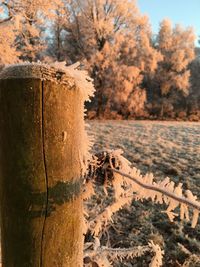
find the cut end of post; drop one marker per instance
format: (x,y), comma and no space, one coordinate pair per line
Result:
(57,72)
(37,71)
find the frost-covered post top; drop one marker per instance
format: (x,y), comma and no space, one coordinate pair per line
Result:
(37,71)
(57,72)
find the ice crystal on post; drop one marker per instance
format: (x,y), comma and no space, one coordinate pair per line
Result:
(85,85)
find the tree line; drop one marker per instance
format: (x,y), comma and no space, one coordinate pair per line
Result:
(136,73)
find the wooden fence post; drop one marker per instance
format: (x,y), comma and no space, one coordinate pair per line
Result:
(40,170)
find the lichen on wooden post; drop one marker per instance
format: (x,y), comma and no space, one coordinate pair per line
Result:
(42,157)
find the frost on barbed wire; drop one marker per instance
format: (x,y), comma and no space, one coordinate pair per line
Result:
(72,78)
(105,257)
(111,170)
(130,185)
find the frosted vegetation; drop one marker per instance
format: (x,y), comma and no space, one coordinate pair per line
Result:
(122,238)
(136,73)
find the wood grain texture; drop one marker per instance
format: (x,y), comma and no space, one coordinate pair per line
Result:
(64,219)
(40,202)
(22,184)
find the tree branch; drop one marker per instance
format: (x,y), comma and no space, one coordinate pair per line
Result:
(5,20)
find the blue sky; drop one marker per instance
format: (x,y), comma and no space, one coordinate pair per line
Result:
(185,12)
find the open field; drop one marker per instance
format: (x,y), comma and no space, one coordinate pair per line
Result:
(166,149)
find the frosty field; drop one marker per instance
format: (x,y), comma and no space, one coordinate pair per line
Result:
(166,149)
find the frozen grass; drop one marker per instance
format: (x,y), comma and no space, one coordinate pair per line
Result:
(166,149)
